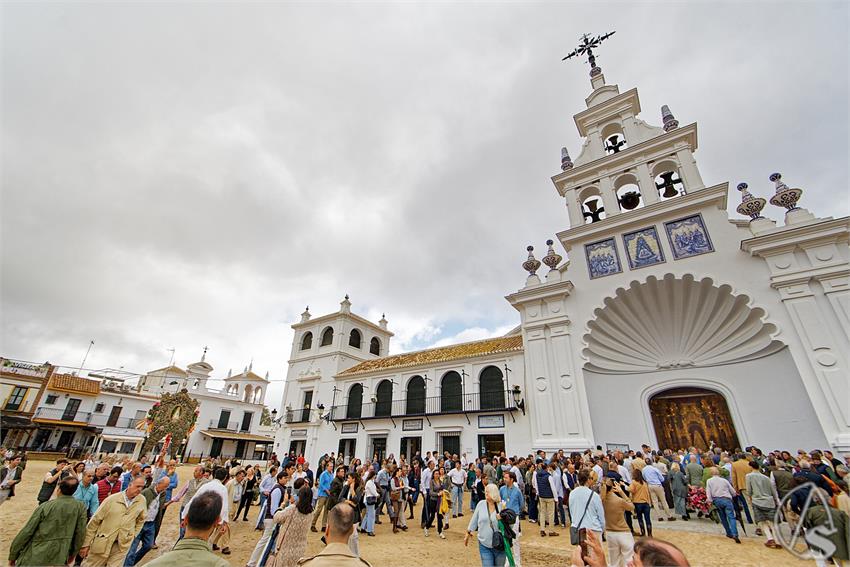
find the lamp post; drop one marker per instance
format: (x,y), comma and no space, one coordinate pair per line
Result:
(516,392)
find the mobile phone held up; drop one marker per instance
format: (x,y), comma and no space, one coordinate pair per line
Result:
(582,541)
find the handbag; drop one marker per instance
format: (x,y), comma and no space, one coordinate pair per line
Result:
(498,543)
(370,500)
(574,539)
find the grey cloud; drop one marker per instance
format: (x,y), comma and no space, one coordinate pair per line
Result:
(182,175)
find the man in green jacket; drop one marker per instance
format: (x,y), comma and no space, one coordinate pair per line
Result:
(54,533)
(202,518)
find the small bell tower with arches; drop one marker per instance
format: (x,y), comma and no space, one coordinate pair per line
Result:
(624,163)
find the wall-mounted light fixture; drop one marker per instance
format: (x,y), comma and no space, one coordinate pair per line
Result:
(516,392)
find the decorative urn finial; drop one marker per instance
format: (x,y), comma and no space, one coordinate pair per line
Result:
(785,196)
(306,315)
(750,206)
(531,264)
(345,305)
(566,162)
(552,258)
(383,322)
(668,119)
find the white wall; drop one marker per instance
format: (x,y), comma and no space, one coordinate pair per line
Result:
(766,397)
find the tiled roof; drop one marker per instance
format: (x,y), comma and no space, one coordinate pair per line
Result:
(437,355)
(75,384)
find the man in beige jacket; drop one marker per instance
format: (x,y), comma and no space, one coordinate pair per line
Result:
(112,529)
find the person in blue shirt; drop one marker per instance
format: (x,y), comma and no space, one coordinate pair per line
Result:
(87,492)
(128,476)
(323,490)
(586,509)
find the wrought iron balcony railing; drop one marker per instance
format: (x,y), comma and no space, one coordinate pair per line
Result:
(103,420)
(476,402)
(60,414)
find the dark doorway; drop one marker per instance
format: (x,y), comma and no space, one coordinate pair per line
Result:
(492,388)
(113,416)
(246,421)
(355,402)
(450,443)
(41,439)
(692,417)
(379,447)
(384,399)
(223,418)
(215,448)
(65,440)
(240,449)
(491,445)
(297,447)
(415,403)
(347,447)
(308,401)
(410,446)
(71,409)
(451,393)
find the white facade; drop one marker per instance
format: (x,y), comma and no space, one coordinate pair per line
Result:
(670,324)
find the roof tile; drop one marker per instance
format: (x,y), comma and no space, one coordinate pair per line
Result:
(437,355)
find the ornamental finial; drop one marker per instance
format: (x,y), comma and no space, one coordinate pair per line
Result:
(552,258)
(566,162)
(750,206)
(668,119)
(785,196)
(531,264)
(585,47)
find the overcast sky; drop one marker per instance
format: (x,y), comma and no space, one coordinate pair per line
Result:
(190,175)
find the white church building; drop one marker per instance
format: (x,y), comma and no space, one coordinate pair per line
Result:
(670,324)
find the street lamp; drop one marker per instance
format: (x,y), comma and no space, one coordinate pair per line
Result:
(518,401)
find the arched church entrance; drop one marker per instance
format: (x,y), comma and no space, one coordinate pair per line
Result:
(692,417)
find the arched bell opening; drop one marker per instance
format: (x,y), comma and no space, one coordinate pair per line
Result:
(667,179)
(613,138)
(591,205)
(628,192)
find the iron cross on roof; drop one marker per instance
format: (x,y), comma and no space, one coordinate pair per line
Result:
(586,46)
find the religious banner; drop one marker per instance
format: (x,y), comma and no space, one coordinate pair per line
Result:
(172,418)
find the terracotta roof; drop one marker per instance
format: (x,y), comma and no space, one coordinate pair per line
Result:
(74,384)
(436,355)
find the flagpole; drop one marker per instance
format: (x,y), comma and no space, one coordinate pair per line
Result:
(83,363)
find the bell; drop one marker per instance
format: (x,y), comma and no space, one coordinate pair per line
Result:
(669,188)
(630,200)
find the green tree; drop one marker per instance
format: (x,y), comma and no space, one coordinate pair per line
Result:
(266,417)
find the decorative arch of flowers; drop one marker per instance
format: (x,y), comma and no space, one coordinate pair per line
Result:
(174,415)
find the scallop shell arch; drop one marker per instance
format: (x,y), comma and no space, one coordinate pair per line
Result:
(676,323)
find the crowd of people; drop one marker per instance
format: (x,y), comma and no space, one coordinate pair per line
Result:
(95,513)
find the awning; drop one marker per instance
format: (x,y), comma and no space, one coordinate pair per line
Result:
(237,436)
(16,422)
(122,438)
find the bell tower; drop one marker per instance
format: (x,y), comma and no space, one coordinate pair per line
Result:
(624,163)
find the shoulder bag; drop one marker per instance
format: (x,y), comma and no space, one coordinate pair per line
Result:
(498,542)
(574,539)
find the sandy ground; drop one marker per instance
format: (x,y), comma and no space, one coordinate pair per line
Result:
(412,547)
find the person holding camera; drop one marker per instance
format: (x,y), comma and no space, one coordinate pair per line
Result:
(616,503)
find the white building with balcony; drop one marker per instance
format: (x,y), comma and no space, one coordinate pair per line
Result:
(343,394)
(228,424)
